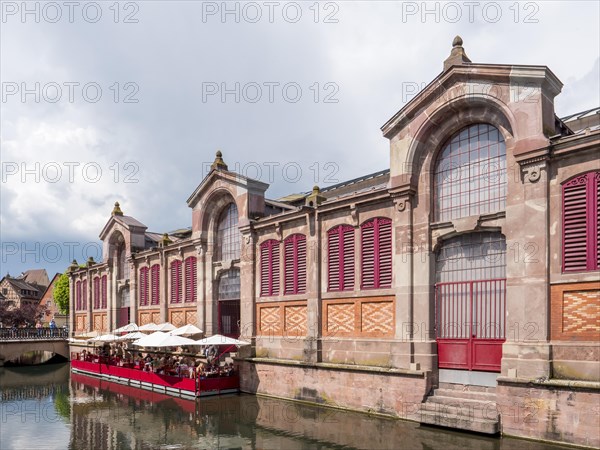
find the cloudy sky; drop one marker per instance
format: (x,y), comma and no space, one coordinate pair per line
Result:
(128,101)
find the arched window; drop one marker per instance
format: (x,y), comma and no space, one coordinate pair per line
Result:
(269,268)
(294,248)
(228,238)
(470,174)
(376,253)
(144,286)
(123,267)
(84,291)
(581,223)
(190,279)
(340,253)
(176,281)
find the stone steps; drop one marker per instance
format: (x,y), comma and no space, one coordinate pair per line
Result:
(470,408)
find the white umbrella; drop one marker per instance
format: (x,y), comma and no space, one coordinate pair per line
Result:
(127,328)
(160,339)
(186,330)
(104,338)
(165,327)
(218,339)
(148,327)
(131,336)
(88,335)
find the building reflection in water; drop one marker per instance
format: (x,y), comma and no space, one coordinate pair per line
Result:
(88,413)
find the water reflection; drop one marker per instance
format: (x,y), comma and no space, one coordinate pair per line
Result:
(50,408)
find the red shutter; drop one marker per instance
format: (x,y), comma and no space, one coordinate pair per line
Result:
(78,296)
(155,285)
(341,258)
(176,281)
(581,223)
(348,258)
(295,264)
(190,279)
(384,253)
(84,294)
(367,243)
(274,268)
(269,268)
(143,286)
(333,258)
(289,266)
(376,247)
(104,291)
(96,293)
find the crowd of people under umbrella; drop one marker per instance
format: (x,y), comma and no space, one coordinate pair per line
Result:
(120,351)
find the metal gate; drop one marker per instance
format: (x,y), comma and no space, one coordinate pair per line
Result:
(470,324)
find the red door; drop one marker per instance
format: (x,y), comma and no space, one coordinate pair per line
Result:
(470,324)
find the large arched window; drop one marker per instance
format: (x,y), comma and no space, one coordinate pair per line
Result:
(470,174)
(228,238)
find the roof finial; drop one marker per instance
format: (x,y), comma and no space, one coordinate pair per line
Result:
(117,210)
(457,55)
(166,240)
(219,164)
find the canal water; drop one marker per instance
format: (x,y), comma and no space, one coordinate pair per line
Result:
(47,407)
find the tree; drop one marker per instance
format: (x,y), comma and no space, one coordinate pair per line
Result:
(61,293)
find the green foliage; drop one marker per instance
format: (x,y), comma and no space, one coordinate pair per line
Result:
(61,293)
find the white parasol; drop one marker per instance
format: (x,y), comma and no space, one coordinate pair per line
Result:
(160,339)
(186,330)
(148,327)
(127,328)
(218,339)
(131,336)
(167,326)
(104,338)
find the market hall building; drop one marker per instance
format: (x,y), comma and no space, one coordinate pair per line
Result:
(459,287)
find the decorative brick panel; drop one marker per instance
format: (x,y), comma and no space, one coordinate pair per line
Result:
(296,320)
(575,312)
(270,320)
(191,317)
(359,317)
(377,317)
(182,316)
(340,318)
(282,318)
(81,322)
(151,316)
(100,322)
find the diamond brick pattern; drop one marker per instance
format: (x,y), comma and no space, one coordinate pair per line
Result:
(296,319)
(340,317)
(100,322)
(177,318)
(269,319)
(377,317)
(581,312)
(80,324)
(191,317)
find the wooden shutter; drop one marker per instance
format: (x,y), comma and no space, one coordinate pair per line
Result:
(269,268)
(347,259)
(155,285)
(84,294)
(367,243)
(341,258)
(384,253)
(104,292)
(78,296)
(295,264)
(96,293)
(376,248)
(143,286)
(581,223)
(176,281)
(190,279)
